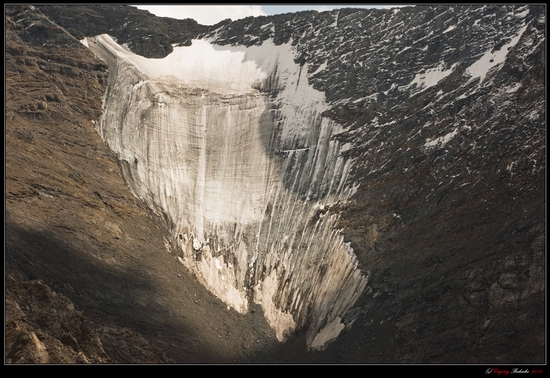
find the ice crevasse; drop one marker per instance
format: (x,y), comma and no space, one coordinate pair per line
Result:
(227,144)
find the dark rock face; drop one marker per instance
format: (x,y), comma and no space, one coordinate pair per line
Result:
(449,216)
(444,107)
(144,33)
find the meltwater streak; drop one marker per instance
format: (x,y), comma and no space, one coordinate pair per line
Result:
(228,145)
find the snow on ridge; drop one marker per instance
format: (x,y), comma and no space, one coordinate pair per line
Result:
(513,88)
(452,27)
(320,68)
(523,13)
(481,67)
(441,141)
(202,65)
(404,49)
(431,77)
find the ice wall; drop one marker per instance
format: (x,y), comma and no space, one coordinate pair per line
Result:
(228,145)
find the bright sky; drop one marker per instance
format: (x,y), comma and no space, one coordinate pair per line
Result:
(212,14)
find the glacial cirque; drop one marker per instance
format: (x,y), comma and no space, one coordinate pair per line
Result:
(228,145)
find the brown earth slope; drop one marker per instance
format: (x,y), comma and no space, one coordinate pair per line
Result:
(458,272)
(74,228)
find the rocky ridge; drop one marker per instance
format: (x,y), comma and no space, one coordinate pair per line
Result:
(444,108)
(139,30)
(449,215)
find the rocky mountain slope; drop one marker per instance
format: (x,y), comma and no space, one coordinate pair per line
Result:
(75,231)
(438,111)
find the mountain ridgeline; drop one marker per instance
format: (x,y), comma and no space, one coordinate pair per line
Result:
(372,181)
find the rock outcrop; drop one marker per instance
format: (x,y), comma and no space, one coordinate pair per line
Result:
(414,158)
(444,110)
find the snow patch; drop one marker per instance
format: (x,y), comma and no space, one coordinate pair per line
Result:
(331,331)
(491,59)
(452,27)
(320,68)
(523,13)
(201,65)
(431,77)
(513,88)
(405,49)
(441,141)
(264,292)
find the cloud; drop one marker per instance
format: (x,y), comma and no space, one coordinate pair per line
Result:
(212,14)
(278,9)
(205,14)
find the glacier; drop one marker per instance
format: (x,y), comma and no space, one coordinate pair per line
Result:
(228,145)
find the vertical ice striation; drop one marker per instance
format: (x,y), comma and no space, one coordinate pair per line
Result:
(228,145)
